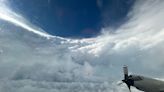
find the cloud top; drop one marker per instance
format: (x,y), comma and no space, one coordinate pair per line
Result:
(32,63)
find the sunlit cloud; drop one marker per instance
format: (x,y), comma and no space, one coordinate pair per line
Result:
(8,15)
(95,64)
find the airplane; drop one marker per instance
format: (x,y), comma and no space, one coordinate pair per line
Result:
(142,83)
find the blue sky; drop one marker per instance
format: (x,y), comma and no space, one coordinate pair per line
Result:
(33,61)
(74,18)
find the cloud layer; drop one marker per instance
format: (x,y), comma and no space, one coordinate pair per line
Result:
(32,63)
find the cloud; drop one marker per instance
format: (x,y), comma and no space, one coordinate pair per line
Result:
(29,62)
(8,15)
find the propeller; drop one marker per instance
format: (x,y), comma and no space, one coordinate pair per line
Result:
(127,79)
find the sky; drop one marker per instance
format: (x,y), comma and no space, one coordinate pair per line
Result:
(32,60)
(74,18)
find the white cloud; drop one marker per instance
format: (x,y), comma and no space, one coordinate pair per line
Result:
(8,15)
(30,63)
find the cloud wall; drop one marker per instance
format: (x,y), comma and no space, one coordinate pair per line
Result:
(32,63)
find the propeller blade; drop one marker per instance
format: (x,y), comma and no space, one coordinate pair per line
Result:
(126,77)
(119,83)
(129,88)
(125,70)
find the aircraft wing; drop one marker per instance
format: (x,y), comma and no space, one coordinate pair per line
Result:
(162,90)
